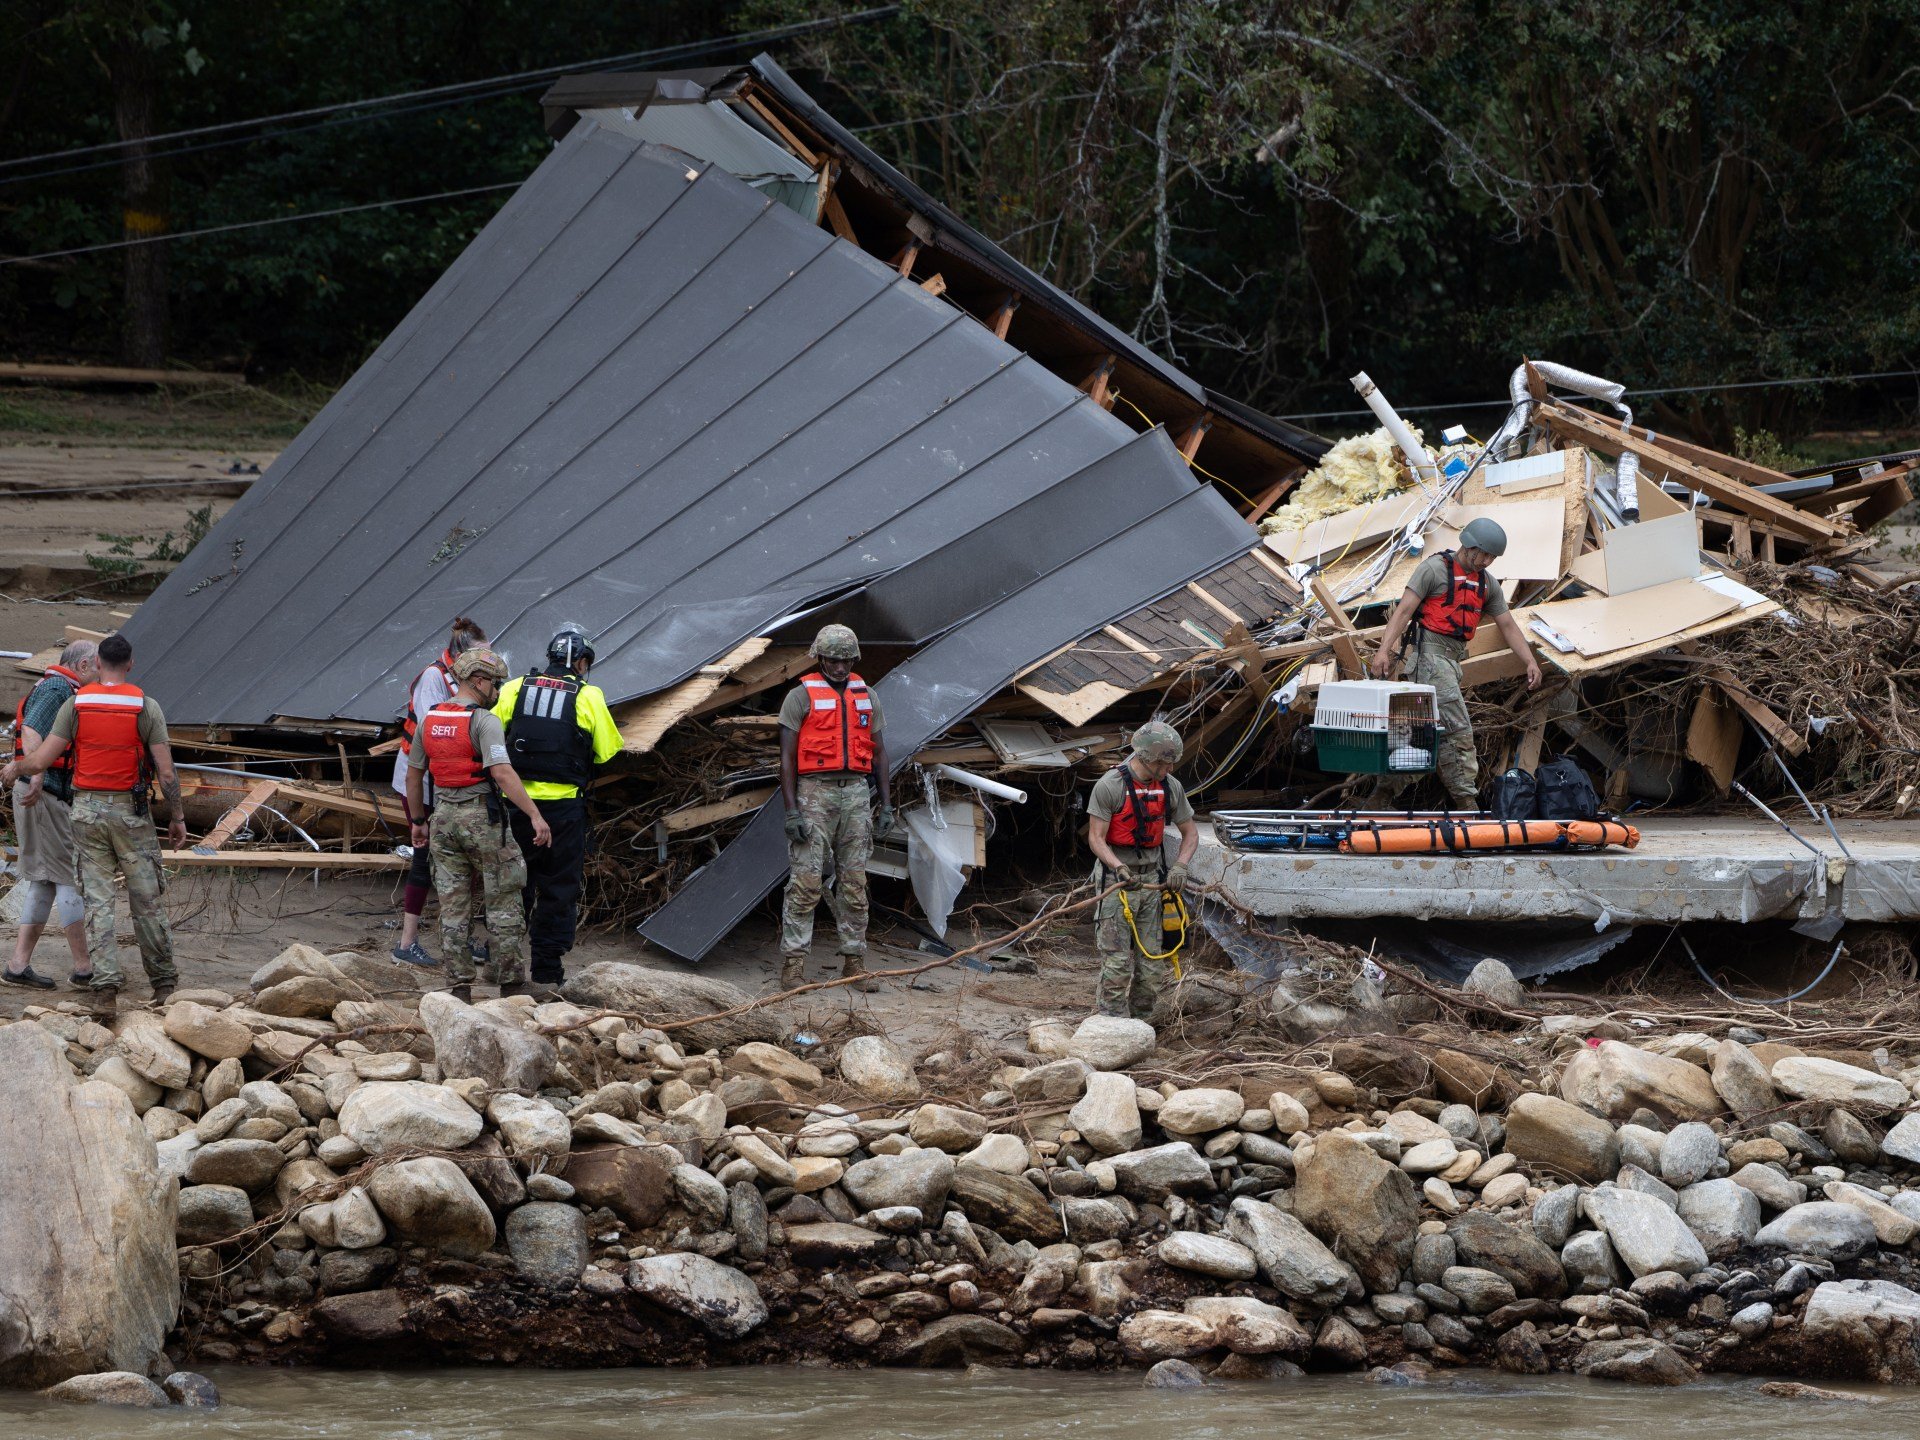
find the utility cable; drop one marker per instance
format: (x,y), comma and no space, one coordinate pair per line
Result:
(684,50)
(259,224)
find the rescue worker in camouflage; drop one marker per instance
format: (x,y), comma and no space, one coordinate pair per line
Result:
(831,748)
(1127,818)
(1448,594)
(463,745)
(119,739)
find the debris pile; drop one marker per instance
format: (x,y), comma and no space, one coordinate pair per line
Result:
(367,1173)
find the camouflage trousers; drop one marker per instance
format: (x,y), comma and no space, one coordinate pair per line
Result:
(841,820)
(466,845)
(108,840)
(1436,661)
(1131,982)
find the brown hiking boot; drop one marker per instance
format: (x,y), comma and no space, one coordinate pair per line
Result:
(852,965)
(462,993)
(793,971)
(517,987)
(104,1002)
(163,992)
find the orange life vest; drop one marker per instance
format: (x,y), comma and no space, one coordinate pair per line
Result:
(108,753)
(60,775)
(837,733)
(452,759)
(410,722)
(1456,610)
(1141,821)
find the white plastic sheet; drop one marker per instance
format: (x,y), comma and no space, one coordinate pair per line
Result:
(935,856)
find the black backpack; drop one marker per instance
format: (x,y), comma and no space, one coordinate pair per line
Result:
(1514,796)
(1565,792)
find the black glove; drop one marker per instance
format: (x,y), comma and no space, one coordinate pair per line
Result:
(798,830)
(884,822)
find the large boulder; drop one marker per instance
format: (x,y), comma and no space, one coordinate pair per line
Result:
(1513,1252)
(1742,1081)
(1251,1327)
(1203,1254)
(1808,1077)
(1107,1115)
(1870,1329)
(206,1031)
(724,1302)
(633,1181)
(1723,1215)
(111,1387)
(1111,1042)
(1646,1233)
(1617,1079)
(1366,1209)
(1824,1229)
(382,1115)
(248,1164)
(471,1042)
(920,1178)
(89,1278)
(211,1213)
(548,1241)
(1010,1204)
(1155,1173)
(1200,1111)
(1552,1135)
(429,1201)
(668,996)
(530,1129)
(154,1055)
(1290,1255)
(878,1068)
(1644,1361)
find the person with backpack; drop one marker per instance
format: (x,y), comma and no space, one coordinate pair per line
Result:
(432,686)
(1127,818)
(43,821)
(463,746)
(1446,598)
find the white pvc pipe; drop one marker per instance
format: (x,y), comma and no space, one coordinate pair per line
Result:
(981,783)
(1424,469)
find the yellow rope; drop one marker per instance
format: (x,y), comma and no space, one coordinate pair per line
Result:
(1178,945)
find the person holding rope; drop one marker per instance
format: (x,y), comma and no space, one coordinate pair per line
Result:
(1127,819)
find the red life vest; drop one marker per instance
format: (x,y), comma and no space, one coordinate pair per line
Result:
(1141,820)
(1456,610)
(838,731)
(108,753)
(452,759)
(410,723)
(60,774)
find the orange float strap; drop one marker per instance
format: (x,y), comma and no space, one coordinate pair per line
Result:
(1602,832)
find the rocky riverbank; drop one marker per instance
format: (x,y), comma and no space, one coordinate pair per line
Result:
(326,1168)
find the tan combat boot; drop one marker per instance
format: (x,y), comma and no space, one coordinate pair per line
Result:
(104,1003)
(855,965)
(793,971)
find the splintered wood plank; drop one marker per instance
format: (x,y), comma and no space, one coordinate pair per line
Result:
(281,860)
(1213,602)
(693,816)
(1346,650)
(641,725)
(230,823)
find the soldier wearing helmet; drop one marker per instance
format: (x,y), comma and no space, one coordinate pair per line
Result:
(1447,596)
(558,730)
(1127,819)
(462,744)
(831,749)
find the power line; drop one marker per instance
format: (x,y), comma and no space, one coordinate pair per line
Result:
(1664,390)
(260,224)
(684,50)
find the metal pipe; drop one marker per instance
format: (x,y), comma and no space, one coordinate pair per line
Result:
(1821,814)
(981,783)
(1761,805)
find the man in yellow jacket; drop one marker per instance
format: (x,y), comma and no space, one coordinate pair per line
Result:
(558,730)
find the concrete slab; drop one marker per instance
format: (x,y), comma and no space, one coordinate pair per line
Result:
(1685,868)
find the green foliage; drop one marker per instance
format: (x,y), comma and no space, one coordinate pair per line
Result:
(1275,195)
(126,561)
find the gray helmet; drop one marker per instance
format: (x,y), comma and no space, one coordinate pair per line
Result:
(570,643)
(479,661)
(835,642)
(1158,742)
(1484,534)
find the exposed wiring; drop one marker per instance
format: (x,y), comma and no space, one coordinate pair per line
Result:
(1191,464)
(1832,960)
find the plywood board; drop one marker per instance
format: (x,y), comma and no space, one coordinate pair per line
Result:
(1529,472)
(1533,536)
(1600,624)
(1713,737)
(1653,552)
(642,725)
(1347,529)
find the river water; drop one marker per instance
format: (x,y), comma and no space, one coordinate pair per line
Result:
(811,1404)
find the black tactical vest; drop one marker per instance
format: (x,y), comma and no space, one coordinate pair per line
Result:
(544,738)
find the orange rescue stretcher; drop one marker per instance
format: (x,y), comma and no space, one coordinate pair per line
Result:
(1453,837)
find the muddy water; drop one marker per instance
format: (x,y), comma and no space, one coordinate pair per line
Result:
(805,1404)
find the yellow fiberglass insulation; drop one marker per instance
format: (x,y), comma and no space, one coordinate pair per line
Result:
(1356,471)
